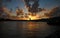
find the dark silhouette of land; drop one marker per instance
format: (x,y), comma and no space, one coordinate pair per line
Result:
(50,21)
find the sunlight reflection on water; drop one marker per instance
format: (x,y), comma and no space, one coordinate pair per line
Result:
(28,29)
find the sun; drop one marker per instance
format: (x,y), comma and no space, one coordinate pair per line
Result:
(32,17)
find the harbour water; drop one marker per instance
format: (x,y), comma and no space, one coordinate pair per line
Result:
(26,29)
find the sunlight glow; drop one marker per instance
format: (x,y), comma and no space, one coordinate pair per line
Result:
(21,15)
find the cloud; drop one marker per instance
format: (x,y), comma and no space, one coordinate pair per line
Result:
(8,0)
(34,8)
(54,12)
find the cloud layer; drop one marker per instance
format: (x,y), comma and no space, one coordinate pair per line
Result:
(33,8)
(54,12)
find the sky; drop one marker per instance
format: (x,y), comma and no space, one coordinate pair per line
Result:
(47,4)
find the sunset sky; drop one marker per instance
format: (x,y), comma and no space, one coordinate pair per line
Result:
(47,4)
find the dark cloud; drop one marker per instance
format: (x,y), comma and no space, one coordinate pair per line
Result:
(34,8)
(8,0)
(19,11)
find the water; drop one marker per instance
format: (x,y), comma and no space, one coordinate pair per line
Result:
(29,29)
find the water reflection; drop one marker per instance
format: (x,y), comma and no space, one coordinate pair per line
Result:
(29,29)
(35,29)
